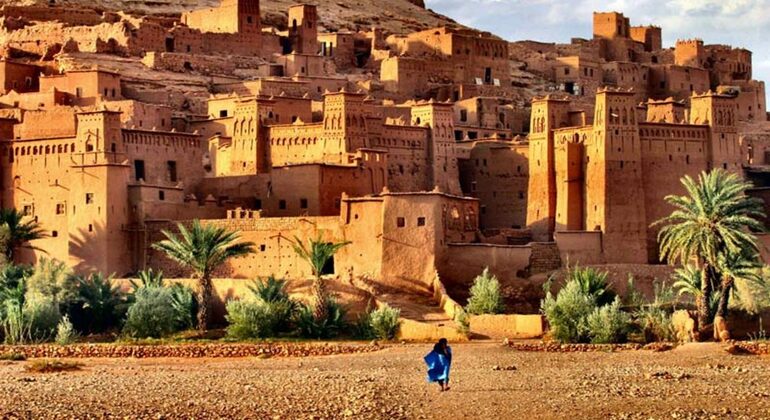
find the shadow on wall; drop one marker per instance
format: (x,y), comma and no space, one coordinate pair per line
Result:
(87,251)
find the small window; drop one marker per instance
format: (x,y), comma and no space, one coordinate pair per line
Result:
(400,222)
(171,170)
(303,203)
(161,195)
(61,208)
(89,198)
(79,92)
(222,113)
(282,204)
(258,204)
(27,210)
(262,248)
(463,115)
(139,169)
(54,234)
(420,221)
(90,228)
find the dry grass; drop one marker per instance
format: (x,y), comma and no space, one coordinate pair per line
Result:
(12,356)
(52,365)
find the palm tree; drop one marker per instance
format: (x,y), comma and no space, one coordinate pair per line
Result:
(733,268)
(317,253)
(202,249)
(712,219)
(18,232)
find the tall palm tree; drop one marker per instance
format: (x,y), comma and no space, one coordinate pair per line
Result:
(712,219)
(202,249)
(317,253)
(18,231)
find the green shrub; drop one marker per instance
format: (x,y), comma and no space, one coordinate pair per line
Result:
(249,320)
(16,328)
(44,316)
(362,328)
(65,332)
(185,306)
(151,314)
(567,313)
(593,283)
(330,327)
(148,278)
(463,322)
(13,356)
(385,322)
(272,293)
(100,305)
(655,324)
(53,280)
(485,295)
(608,324)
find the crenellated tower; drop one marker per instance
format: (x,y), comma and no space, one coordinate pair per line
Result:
(547,115)
(614,186)
(719,112)
(439,116)
(303,28)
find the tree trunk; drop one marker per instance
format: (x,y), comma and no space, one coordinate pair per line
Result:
(320,311)
(721,328)
(704,314)
(204,301)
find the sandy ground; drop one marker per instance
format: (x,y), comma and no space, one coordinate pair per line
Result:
(694,381)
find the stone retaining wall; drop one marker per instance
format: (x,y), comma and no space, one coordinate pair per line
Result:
(216,350)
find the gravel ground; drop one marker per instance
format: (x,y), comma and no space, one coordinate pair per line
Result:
(488,381)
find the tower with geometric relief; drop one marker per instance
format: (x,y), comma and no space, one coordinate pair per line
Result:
(614,185)
(547,115)
(439,116)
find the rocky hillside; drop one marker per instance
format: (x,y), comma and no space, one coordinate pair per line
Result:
(396,16)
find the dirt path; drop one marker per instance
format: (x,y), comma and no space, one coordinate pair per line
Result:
(690,382)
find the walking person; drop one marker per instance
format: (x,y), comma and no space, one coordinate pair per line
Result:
(439,361)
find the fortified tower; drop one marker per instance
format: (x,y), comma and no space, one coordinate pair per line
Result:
(719,112)
(614,191)
(344,123)
(303,28)
(249,151)
(548,114)
(611,25)
(690,53)
(98,214)
(439,116)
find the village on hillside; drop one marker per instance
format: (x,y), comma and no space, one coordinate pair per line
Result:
(378,183)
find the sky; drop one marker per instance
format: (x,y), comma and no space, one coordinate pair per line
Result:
(740,23)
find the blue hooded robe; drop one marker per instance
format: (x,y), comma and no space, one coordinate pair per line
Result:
(438,365)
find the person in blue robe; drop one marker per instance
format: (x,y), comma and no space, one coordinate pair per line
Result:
(439,361)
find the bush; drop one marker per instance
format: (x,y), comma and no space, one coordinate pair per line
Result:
(272,293)
(53,280)
(148,278)
(463,322)
(385,322)
(567,313)
(65,332)
(151,314)
(655,324)
(362,328)
(330,327)
(185,306)
(28,322)
(593,283)
(100,305)
(485,295)
(249,320)
(608,324)
(52,366)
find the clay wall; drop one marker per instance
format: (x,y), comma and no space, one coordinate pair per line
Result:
(580,247)
(53,122)
(677,81)
(303,64)
(497,173)
(611,25)
(168,159)
(35,100)
(669,151)
(140,115)
(231,16)
(18,77)
(650,36)
(340,47)
(86,87)
(463,262)
(67,15)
